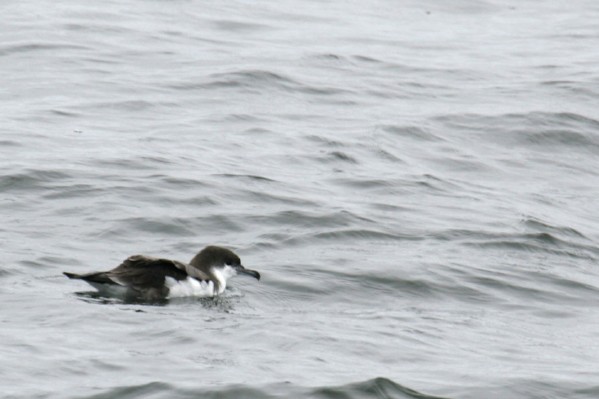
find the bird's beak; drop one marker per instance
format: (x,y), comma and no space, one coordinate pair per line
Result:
(243,270)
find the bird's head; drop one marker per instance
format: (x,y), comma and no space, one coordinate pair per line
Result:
(221,261)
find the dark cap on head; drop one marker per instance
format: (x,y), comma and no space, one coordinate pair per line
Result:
(213,256)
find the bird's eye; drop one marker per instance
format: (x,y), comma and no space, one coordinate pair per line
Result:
(232,262)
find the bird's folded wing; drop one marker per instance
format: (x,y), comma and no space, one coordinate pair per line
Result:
(141,271)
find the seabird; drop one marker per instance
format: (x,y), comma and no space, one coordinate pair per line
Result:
(151,278)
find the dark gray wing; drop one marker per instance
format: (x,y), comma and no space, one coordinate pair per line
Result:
(144,272)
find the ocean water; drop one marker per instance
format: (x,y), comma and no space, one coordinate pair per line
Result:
(416,181)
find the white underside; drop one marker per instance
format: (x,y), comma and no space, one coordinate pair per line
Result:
(192,287)
(178,288)
(188,287)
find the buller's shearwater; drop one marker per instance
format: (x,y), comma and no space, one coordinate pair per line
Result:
(156,278)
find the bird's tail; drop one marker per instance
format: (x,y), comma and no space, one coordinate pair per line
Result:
(95,277)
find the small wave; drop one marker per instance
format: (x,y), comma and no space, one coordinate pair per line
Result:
(260,80)
(544,227)
(539,241)
(177,182)
(187,226)
(163,226)
(342,235)
(366,184)
(133,163)
(5,273)
(325,141)
(49,262)
(574,87)
(251,78)
(238,26)
(251,178)
(353,234)
(73,191)
(33,179)
(341,156)
(243,119)
(136,391)
(413,132)
(66,114)
(398,185)
(376,388)
(310,219)
(534,129)
(271,198)
(37,47)
(10,143)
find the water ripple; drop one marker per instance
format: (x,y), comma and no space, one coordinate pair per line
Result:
(375,388)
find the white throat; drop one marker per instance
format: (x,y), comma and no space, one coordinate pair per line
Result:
(222,274)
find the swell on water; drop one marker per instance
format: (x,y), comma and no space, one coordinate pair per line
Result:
(376,388)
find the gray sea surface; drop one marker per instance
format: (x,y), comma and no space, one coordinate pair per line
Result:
(416,181)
